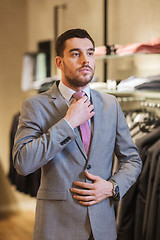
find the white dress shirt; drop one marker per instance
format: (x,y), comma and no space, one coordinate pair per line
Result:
(68,92)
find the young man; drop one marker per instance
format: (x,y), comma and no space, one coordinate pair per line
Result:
(74,201)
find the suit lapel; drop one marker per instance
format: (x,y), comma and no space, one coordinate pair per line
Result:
(58,100)
(80,143)
(96,121)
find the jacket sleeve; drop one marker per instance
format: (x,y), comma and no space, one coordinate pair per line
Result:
(33,147)
(130,163)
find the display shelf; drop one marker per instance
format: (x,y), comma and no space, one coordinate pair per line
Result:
(119,67)
(137,94)
(115,56)
(134,100)
(137,64)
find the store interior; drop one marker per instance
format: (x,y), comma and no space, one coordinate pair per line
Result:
(25,25)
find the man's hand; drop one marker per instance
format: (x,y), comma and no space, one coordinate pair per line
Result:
(92,193)
(79,112)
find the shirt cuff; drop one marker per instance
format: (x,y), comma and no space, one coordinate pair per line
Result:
(69,124)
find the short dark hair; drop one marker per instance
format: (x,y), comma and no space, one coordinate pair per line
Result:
(72,33)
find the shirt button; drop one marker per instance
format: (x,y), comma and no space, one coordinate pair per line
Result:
(88,166)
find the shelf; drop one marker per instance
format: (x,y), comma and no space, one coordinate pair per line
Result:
(115,56)
(137,94)
(135,100)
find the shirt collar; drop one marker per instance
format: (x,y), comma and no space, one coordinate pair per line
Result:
(68,92)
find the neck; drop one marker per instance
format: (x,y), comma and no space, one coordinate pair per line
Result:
(75,88)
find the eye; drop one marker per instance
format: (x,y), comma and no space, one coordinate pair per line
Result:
(90,53)
(75,54)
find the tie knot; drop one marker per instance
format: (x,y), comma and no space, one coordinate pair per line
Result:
(78,95)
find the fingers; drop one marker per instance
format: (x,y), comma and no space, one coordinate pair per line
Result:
(74,100)
(83,185)
(85,100)
(85,197)
(85,200)
(90,108)
(86,194)
(90,203)
(86,105)
(85,109)
(79,112)
(81,191)
(91,176)
(91,193)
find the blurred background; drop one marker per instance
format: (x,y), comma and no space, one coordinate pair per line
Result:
(30,27)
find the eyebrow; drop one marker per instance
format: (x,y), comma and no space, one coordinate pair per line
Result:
(78,49)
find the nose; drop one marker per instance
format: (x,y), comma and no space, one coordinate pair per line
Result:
(84,58)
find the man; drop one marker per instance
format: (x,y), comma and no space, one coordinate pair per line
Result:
(74,201)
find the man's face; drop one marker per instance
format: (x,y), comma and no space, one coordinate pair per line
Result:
(78,63)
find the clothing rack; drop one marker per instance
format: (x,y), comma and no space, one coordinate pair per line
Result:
(143,103)
(153,107)
(139,206)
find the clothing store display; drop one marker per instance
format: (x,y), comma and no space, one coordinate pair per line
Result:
(100,51)
(85,129)
(26,184)
(45,47)
(138,217)
(41,67)
(150,225)
(152,85)
(105,50)
(130,83)
(28,71)
(151,46)
(133,83)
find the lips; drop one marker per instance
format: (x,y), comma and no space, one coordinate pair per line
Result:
(85,69)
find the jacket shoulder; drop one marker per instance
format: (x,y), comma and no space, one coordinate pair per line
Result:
(103,96)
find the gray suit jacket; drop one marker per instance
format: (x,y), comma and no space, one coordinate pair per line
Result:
(45,140)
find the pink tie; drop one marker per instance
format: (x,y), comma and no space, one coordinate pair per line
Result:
(84,128)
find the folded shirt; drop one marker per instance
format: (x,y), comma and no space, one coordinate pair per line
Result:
(133,83)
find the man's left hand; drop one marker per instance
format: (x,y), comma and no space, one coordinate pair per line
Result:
(92,193)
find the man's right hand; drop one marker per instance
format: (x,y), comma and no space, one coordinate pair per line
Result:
(79,112)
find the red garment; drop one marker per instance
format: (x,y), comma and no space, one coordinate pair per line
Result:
(152,46)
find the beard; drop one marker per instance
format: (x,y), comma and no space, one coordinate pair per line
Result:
(79,80)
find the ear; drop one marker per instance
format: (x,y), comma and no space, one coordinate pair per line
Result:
(59,62)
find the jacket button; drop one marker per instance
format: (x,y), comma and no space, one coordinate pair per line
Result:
(88,166)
